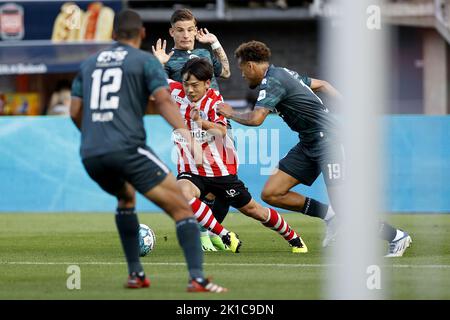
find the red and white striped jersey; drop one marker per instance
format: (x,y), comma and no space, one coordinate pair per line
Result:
(219,154)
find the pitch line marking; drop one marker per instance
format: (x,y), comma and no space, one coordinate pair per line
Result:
(281,265)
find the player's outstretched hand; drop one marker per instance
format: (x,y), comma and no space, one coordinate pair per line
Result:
(159,51)
(204,36)
(224,109)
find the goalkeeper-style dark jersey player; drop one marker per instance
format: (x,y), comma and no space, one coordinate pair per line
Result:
(110,95)
(319,151)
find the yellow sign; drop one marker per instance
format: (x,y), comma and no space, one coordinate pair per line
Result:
(20,104)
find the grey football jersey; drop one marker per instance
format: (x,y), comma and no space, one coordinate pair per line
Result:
(180,57)
(287,93)
(115,85)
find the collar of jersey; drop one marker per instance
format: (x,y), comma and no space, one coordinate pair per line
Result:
(267,71)
(187,51)
(121,44)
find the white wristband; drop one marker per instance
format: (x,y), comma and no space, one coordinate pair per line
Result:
(216,45)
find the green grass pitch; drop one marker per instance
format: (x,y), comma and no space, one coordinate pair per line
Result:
(36,250)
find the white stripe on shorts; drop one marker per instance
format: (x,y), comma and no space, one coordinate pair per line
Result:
(149,155)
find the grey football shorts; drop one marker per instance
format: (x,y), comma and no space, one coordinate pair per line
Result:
(299,164)
(138,166)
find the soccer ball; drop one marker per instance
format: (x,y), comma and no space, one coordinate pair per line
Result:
(147,240)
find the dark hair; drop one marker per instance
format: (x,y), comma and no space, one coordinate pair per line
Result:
(63,84)
(200,68)
(253,51)
(127,24)
(182,15)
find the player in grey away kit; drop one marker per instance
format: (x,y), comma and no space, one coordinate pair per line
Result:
(319,151)
(110,95)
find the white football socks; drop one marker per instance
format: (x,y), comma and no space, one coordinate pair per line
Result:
(330,214)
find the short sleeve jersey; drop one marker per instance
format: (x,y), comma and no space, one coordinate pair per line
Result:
(219,155)
(180,57)
(115,85)
(287,93)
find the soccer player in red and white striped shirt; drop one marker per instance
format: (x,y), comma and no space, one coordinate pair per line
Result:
(217,171)
(219,155)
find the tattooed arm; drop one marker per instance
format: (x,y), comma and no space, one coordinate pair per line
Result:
(204,36)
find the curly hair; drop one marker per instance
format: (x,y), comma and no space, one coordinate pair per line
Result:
(253,51)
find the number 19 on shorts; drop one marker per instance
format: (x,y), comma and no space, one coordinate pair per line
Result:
(334,171)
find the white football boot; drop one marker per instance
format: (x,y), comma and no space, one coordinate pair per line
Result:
(397,248)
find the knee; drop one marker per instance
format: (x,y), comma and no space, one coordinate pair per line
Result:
(186,190)
(187,194)
(269,196)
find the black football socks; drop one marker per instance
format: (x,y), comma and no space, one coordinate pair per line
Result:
(189,239)
(315,208)
(128,227)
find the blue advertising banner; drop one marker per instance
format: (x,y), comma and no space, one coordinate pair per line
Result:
(41,171)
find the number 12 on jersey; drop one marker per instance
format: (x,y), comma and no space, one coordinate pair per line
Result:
(105,83)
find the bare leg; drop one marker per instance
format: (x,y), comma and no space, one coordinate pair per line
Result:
(277,192)
(202,212)
(169,197)
(270,218)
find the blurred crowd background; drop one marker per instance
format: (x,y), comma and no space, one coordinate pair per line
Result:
(39,57)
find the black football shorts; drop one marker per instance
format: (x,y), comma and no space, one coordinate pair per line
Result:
(228,187)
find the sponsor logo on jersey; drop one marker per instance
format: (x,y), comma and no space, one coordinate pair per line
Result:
(201,136)
(178,98)
(107,57)
(192,56)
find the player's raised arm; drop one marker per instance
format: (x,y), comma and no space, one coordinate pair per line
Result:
(204,36)
(325,87)
(159,51)
(253,118)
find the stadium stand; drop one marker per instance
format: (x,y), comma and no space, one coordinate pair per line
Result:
(420,36)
